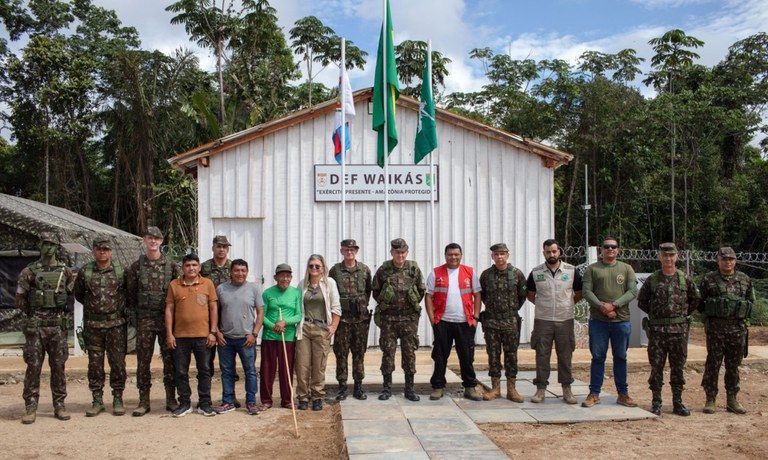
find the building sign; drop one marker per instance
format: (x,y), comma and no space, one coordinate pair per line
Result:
(367,182)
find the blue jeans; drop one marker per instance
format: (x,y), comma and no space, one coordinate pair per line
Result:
(247,355)
(600,333)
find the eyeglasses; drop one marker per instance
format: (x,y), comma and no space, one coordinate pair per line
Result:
(610,246)
(315,266)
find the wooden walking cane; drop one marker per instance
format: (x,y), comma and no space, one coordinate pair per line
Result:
(290,377)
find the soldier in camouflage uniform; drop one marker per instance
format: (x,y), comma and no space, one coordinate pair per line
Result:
(218,269)
(101,288)
(353,279)
(503,293)
(668,297)
(398,288)
(41,294)
(147,280)
(727,297)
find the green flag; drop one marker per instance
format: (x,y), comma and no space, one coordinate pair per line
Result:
(426,130)
(390,87)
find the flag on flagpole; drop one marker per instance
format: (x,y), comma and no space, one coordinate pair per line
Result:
(426,130)
(391,87)
(349,108)
(337,150)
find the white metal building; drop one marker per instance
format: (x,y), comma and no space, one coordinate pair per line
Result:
(258,187)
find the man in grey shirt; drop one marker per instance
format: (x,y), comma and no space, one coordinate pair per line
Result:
(242,313)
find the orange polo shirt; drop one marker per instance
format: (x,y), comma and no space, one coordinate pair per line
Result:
(191,317)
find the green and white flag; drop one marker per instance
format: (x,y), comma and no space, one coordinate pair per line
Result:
(426,130)
(385,92)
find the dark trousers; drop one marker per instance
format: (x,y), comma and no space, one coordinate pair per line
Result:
(182,355)
(272,362)
(562,334)
(446,334)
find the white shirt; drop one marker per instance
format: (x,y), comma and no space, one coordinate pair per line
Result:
(454,307)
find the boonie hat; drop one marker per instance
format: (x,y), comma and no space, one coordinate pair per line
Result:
(283,268)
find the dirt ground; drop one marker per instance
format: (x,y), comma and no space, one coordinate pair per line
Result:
(758,335)
(157,435)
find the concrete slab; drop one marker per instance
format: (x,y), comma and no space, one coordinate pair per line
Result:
(446,400)
(502,403)
(393,427)
(373,375)
(568,414)
(464,455)
(430,411)
(457,425)
(500,416)
(452,443)
(382,444)
(415,455)
(372,412)
(577,389)
(616,413)
(373,400)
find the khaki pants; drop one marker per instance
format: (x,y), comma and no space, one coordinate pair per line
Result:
(311,356)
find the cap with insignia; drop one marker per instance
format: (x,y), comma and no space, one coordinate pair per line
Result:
(153,231)
(398,244)
(726,252)
(350,244)
(221,239)
(499,247)
(102,242)
(48,237)
(283,268)
(668,248)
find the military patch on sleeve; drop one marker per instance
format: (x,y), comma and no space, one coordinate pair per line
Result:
(619,279)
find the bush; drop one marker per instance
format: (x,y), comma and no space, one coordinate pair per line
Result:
(759,313)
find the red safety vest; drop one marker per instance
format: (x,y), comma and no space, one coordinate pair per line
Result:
(440,294)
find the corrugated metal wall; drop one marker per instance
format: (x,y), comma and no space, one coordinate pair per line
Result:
(262,195)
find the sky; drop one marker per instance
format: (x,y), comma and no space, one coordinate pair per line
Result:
(542,29)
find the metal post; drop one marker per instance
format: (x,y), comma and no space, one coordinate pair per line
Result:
(586,208)
(343,143)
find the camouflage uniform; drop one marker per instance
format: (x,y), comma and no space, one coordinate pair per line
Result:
(503,293)
(42,296)
(147,282)
(219,275)
(668,300)
(103,295)
(726,303)
(355,291)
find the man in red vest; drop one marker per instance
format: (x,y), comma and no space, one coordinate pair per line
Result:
(453,306)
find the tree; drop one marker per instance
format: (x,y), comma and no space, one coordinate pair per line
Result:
(409,55)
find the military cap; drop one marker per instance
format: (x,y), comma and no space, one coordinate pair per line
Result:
(153,231)
(48,237)
(102,242)
(499,247)
(221,239)
(349,244)
(726,252)
(669,248)
(398,244)
(283,268)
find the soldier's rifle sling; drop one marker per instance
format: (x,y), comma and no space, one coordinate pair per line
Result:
(58,283)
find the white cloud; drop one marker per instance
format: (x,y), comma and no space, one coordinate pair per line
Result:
(658,4)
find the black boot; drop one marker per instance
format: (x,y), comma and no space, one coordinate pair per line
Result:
(678,408)
(656,402)
(358,392)
(409,393)
(386,391)
(342,393)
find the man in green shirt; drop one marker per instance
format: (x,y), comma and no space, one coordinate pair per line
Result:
(608,286)
(282,312)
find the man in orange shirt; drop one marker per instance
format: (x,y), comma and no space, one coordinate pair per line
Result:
(191,319)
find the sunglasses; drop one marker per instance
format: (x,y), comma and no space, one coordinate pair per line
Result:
(315,266)
(610,246)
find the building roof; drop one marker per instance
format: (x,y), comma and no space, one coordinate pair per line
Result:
(188,161)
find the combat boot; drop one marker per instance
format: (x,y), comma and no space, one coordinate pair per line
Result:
(358,392)
(60,412)
(656,402)
(30,415)
(117,404)
(386,390)
(472,394)
(495,391)
(568,395)
(143,406)
(678,408)
(342,393)
(733,405)
(709,407)
(541,393)
(170,399)
(409,393)
(97,406)
(512,393)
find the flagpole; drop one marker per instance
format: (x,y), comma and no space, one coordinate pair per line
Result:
(384,92)
(431,165)
(342,89)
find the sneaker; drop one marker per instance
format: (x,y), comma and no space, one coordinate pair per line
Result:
(303,405)
(591,400)
(625,400)
(182,410)
(253,409)
(206,410)
(224,408)
(317,404)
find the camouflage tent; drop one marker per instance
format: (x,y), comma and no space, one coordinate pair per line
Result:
(22,221)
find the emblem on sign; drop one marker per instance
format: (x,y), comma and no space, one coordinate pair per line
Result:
(619,279)
(322,179)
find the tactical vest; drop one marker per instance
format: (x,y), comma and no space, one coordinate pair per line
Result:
(554,294)
(219,275)
(400,296)
(502,302)
(728,305)
(653,284)
(351,287)
(49,290)
(149,299)
(440,294)
(88,277)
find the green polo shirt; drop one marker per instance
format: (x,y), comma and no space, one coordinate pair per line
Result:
(615,283)
(289,303)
